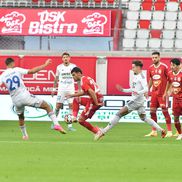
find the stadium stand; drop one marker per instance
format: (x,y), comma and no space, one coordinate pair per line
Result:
(162,18)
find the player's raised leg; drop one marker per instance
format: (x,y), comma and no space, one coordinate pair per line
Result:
(115,120)
(88,112)
(52,116)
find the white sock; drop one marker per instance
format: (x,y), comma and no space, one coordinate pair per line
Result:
(53,118)
(23,130)
(111,124)
(153,123)
(56,112)
(70,125)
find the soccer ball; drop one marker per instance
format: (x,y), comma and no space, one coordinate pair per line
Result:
(68,118)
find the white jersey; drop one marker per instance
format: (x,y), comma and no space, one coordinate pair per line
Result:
(12,78)
(138,86)
(66,82)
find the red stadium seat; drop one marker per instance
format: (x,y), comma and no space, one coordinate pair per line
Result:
(60,1)
(47,1)
(144,24)
(180,6)
(97,1)
(155,33)
(159,6)
(85,1)
(110,1)
(35,1)
(72,1)
(146,6)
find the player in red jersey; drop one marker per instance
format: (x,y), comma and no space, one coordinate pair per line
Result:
(158,72)
(87,86)
(175,84)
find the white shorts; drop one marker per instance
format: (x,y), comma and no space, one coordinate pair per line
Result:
(26,100)
(136,106)
(61,96)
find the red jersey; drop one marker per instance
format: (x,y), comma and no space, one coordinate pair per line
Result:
(158,76)
(176,81)
(87,83)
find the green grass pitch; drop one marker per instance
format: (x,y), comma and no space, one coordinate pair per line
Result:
(123,155)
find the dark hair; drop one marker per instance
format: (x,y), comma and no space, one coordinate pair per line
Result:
(137,63)
(76,70)
(156,53)
(8,61)
(176,61)
(65,54)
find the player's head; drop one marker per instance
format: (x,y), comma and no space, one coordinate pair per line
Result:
(76,73)
(137,66)
(156,57)
(10,62)
(175,64)
(66,58)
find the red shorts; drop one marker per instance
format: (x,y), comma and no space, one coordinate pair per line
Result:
(158,101)
(90,107)
(177,107)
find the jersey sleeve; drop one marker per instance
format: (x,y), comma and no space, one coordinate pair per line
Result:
(144,85)
(22,71)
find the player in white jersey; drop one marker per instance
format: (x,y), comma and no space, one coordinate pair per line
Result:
(12,78)
(138,87)
(65,83)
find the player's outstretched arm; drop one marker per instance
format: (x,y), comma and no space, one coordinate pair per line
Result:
(94,97)
(41,67)
(121,89)
(78,94)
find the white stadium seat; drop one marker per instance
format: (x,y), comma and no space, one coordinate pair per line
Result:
(167,43)
(142,33)
(134,6)
(141,43)
(145,15)
(132,15)
(131,24)
(170,25)
(158,15)
(180,15)
(178,44)
(158,25)
(171,16)
(128,43)
(172,6)
(179,34)
(129,34)
(154,43)
(168,34)
(179,25)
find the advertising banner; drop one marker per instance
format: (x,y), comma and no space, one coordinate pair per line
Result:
(42,82)
(104,114)
(55,22)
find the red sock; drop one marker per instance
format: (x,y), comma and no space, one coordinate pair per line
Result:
(89,126)
(76,107)
(177,125)
(154,117)
(168,119)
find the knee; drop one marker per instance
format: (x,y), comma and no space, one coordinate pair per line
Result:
(21,119)
(153,111)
